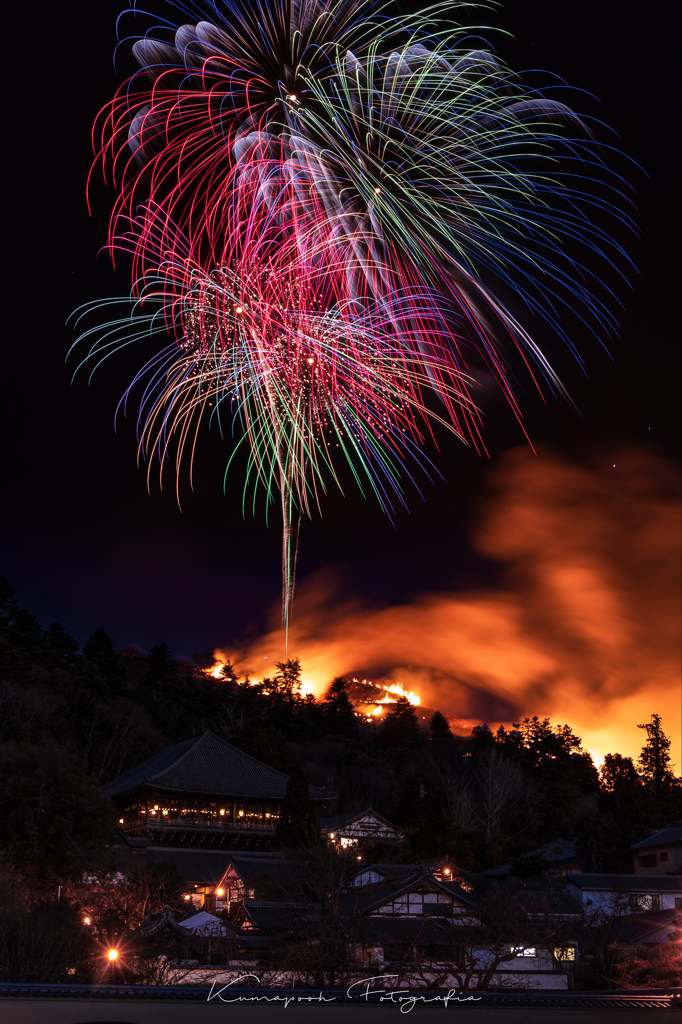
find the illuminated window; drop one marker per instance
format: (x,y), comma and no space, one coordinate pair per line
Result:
(524,950)
(564,953)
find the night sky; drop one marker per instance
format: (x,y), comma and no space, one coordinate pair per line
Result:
(83,541)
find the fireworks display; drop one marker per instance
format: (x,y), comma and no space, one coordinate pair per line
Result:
(325,206)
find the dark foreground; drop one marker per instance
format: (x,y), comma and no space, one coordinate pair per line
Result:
(111,1004)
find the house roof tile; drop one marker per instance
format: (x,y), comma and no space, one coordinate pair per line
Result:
(198,867)
(625,883)
(337,821)
(666,837)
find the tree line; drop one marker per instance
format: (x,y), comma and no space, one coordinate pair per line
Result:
(72,719)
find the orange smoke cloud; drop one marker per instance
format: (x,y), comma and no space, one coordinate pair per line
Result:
(585,631)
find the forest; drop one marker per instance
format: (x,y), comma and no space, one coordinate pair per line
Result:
(72,719)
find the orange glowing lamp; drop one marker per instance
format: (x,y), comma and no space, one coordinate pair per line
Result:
(220,892)
(113,954)
(86,920)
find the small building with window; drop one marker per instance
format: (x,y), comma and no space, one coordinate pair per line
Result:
(348,830)
(618,895)
(660,854)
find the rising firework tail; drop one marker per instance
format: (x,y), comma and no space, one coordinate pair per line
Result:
(325,207)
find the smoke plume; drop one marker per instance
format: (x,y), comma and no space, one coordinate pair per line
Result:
(585,629)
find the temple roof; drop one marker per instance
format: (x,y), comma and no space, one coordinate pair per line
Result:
(207,764)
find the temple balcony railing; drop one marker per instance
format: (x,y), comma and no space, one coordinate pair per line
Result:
(197,824)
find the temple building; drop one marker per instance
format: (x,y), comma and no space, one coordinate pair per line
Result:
(204,793)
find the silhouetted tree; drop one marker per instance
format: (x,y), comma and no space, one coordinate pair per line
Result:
(400,727)
(100,654)
(654,760)
(60,650)
(585,772)
(53,813)
(619,775)
(482,735)
(438,726)
(288,681)
(26,634)
(339,716)
(299,824)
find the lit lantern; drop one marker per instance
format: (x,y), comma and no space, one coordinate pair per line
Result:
(113,954)
(86,920)
(220,892)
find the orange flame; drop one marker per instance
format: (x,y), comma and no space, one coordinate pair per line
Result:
(585,631)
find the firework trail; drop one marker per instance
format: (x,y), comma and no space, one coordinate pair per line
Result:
(307,381)
(324,206)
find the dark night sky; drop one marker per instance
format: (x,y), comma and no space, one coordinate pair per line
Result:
(84,543)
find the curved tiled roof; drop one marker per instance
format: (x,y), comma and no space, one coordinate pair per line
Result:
(207,764)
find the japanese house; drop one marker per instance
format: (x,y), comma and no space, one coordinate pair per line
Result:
(346,830)
(616,895)
(660,854)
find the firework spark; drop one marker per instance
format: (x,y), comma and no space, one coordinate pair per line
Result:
(324,207)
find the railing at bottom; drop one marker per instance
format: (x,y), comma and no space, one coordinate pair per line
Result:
(226,825)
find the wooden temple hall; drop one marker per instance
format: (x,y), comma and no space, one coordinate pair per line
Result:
(204,793)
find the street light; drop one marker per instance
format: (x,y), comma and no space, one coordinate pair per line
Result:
(113,954)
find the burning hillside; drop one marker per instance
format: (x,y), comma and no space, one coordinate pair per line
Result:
(585,631)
